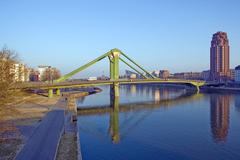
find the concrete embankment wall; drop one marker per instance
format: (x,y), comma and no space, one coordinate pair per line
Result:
(70,98)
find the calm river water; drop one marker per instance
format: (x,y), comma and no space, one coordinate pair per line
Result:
(151,122)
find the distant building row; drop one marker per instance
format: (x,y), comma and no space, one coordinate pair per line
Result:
(42,73)
(234,75)
(165,74)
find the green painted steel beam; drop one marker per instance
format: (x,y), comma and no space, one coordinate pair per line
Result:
(118,81)
(138,66)
(116,89)
(133,68)
(116,65)
(111,65)
(113,56)
(82,68)
(111,70)
(106,82)
(116,50)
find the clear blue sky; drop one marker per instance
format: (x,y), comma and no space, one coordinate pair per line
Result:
(158,34)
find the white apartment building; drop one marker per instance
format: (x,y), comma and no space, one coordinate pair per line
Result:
(41,69)
(19,71)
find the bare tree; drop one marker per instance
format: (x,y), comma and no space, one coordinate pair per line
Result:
(50,74)
(56,73)
(7,76)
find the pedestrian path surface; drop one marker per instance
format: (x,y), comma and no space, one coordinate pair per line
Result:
(43,143)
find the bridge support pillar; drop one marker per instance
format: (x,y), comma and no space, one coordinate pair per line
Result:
(58,92)
(114,64)
(50,93)
(114,90)
(197,89)
(197,86)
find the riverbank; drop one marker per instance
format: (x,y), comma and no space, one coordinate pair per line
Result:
(18,120)
(22,116)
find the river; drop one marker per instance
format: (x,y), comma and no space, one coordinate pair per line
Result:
(151,122)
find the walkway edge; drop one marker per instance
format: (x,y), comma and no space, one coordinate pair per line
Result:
(59,139)
(79,145)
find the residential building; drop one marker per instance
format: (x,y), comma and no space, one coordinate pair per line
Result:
(232,74)
(19,71)
(164,74)
(188,75)
(34,75)
(219,57)
(205,75)
(131,75)
(237,74)
(41,69)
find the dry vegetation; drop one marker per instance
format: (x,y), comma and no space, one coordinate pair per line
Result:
(51,74)
(7,60)
(26,111)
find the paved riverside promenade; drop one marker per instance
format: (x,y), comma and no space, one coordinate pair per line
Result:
(43,143)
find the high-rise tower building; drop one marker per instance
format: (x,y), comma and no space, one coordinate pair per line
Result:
(219,57)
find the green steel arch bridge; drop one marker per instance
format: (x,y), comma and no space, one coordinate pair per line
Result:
(114,56)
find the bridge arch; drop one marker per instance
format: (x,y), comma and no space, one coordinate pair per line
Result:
(114,56)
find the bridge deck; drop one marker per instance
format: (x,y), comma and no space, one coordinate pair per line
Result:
(107,82)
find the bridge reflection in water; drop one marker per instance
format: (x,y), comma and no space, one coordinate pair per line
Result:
(114,120)
(159,98)
(219,109)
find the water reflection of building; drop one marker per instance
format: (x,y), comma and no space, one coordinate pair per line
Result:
(156,92)
(157,95)
(220,116)
(165,94)
(136,89)
(133,89)
(237,102)
(160,94)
